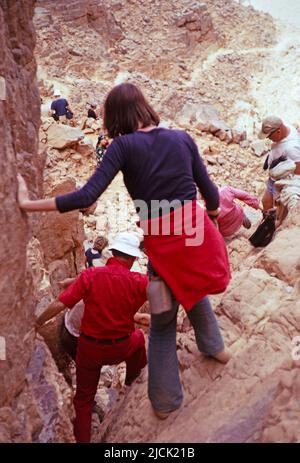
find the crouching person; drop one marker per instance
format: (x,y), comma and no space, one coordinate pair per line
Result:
(112,295)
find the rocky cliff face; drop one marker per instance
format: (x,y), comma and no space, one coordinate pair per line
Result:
(19,125)
(30,384)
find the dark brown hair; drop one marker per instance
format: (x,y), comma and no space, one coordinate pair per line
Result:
(100,243)
(126,109)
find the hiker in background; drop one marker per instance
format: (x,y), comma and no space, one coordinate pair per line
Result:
(93,254)
(286,145)
(112,295)
(161,164)
(232,216)
(91,111)
(101,147)
(60,108)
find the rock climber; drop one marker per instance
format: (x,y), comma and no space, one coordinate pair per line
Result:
(112,295)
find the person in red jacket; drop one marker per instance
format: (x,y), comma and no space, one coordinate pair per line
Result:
(112,295)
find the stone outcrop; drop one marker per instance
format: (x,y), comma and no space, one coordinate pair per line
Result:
(61,136)
(42,412)
(94,13)
(196,19)
(282,257)
(30,385)
(19,113)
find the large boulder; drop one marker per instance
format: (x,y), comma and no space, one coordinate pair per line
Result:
(62,136)
(86,148)
(281,257)
(252,296)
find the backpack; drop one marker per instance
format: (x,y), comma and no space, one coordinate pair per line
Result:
(265,231)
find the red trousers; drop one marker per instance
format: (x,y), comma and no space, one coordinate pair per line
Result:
(89,360)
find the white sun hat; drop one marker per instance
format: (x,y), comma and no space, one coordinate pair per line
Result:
(128,243)
(56,92)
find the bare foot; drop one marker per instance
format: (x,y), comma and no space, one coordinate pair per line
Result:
(161,415)
(222,357)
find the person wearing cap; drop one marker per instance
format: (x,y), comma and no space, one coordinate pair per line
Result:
(286,145)
(112,295)
(59,107)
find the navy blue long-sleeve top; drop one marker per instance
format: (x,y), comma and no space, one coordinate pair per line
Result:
(161,164)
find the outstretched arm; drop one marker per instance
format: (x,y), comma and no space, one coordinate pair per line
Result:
(36,205)
(247,198)
(87,195)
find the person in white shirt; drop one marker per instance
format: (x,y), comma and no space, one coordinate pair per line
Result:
(286,145)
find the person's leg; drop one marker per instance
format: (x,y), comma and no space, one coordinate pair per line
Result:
(268,199)
(164,387)
(281,213)
(68,341)
(207,333)
(246,222)
(137,358)
(87,378)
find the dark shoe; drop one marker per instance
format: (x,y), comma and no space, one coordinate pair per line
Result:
(129,381)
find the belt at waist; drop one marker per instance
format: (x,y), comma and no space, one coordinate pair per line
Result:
(104,341)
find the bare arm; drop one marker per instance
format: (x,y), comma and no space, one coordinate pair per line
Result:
(142,318)
(67,282)
(246,197)
(30,205)
(52,310)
